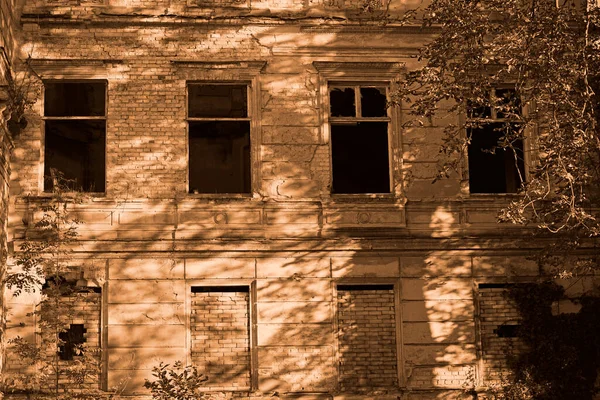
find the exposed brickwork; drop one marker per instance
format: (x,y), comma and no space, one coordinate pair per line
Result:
(220,338)
(82,308)
(496,310)
(367,339)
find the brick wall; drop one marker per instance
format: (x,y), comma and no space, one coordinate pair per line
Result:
(367,339)
(221,337)
(498,316)
(81,308)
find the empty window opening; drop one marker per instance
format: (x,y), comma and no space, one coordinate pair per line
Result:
(366,317)
(71,340)
(219,139)
(496,153)
(220,335)
(359,140)
(75,134)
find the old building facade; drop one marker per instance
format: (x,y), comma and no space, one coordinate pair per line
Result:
(255,208)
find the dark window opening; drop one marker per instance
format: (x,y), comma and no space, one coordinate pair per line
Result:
(218,101)
(77,150)
(342,102)
(359,155)
(219,139)
(220,157)
(373,102)
(71,340)
(220,289)
(507,331)
(75,135)
(365,287)
(74,99)
(494,168)
(496,156)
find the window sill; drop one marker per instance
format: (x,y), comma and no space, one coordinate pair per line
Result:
(219,195)
(49,195)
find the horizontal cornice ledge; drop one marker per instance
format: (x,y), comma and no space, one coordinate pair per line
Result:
(238,64)
(368,68)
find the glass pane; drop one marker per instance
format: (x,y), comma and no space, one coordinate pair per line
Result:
(342,102)
(77,149)
(373,102)
(219,157)
(218,101)
(74,99)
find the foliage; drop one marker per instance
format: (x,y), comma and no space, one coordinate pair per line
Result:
(562,356)
(177,382)
(20,97)
(547,52)
(43,263)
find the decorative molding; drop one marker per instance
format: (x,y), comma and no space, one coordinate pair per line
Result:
(202,64)
(354,52)
(370,28)
(72,68)
(218,4)
(373,66)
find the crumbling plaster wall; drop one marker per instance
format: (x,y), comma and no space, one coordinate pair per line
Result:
(291,242)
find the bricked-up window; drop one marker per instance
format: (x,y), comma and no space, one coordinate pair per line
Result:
(219,138)
(367,337)
(493,166)
(75,134)
(499,321)
(220,335)
(71,339)
(359,139)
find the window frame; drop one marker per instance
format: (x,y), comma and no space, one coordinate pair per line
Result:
(252,320)
(493,118)
(379,74)
(396,283)
(251,118)
(45,118)
(340,121)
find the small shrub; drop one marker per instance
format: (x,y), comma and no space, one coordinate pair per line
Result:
(176,382)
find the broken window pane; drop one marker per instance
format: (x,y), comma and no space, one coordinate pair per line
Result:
(71,339)
(219,157)
(360,158)
(493,168)
(74,99)
(373,102)
(77,149)
(217,101)
(342,102)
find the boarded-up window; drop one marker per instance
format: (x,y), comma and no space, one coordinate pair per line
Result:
(219,138)
(359,139)
(367,337)
(75,134)
(220,335)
